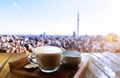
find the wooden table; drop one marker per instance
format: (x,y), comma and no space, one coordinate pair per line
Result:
(101,65)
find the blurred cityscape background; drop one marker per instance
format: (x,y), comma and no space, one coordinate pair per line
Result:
(86,43)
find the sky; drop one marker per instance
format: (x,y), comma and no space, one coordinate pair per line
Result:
(59,17)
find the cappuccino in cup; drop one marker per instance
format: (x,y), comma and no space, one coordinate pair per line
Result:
(48,58)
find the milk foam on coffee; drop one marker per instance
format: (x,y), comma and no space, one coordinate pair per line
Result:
(47,49)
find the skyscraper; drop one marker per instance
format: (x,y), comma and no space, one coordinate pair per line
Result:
(78,23)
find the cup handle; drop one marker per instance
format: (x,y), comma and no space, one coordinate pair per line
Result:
(32,59)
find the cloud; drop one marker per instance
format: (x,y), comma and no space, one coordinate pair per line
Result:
(15,4)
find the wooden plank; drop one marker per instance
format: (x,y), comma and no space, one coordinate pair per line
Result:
(11,75)
(85,58)
(8,75)
(111,57)
(88,74)
(115,67)
(19,55)
(117,54)
(97,73)
(5,72)
(104,67)
(21,77)
(4,57)
(83,68)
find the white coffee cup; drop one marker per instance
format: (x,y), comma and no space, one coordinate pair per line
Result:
(71,58)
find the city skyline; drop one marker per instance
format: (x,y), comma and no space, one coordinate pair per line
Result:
(59,17)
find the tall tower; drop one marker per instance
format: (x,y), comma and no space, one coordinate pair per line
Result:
(78,22)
